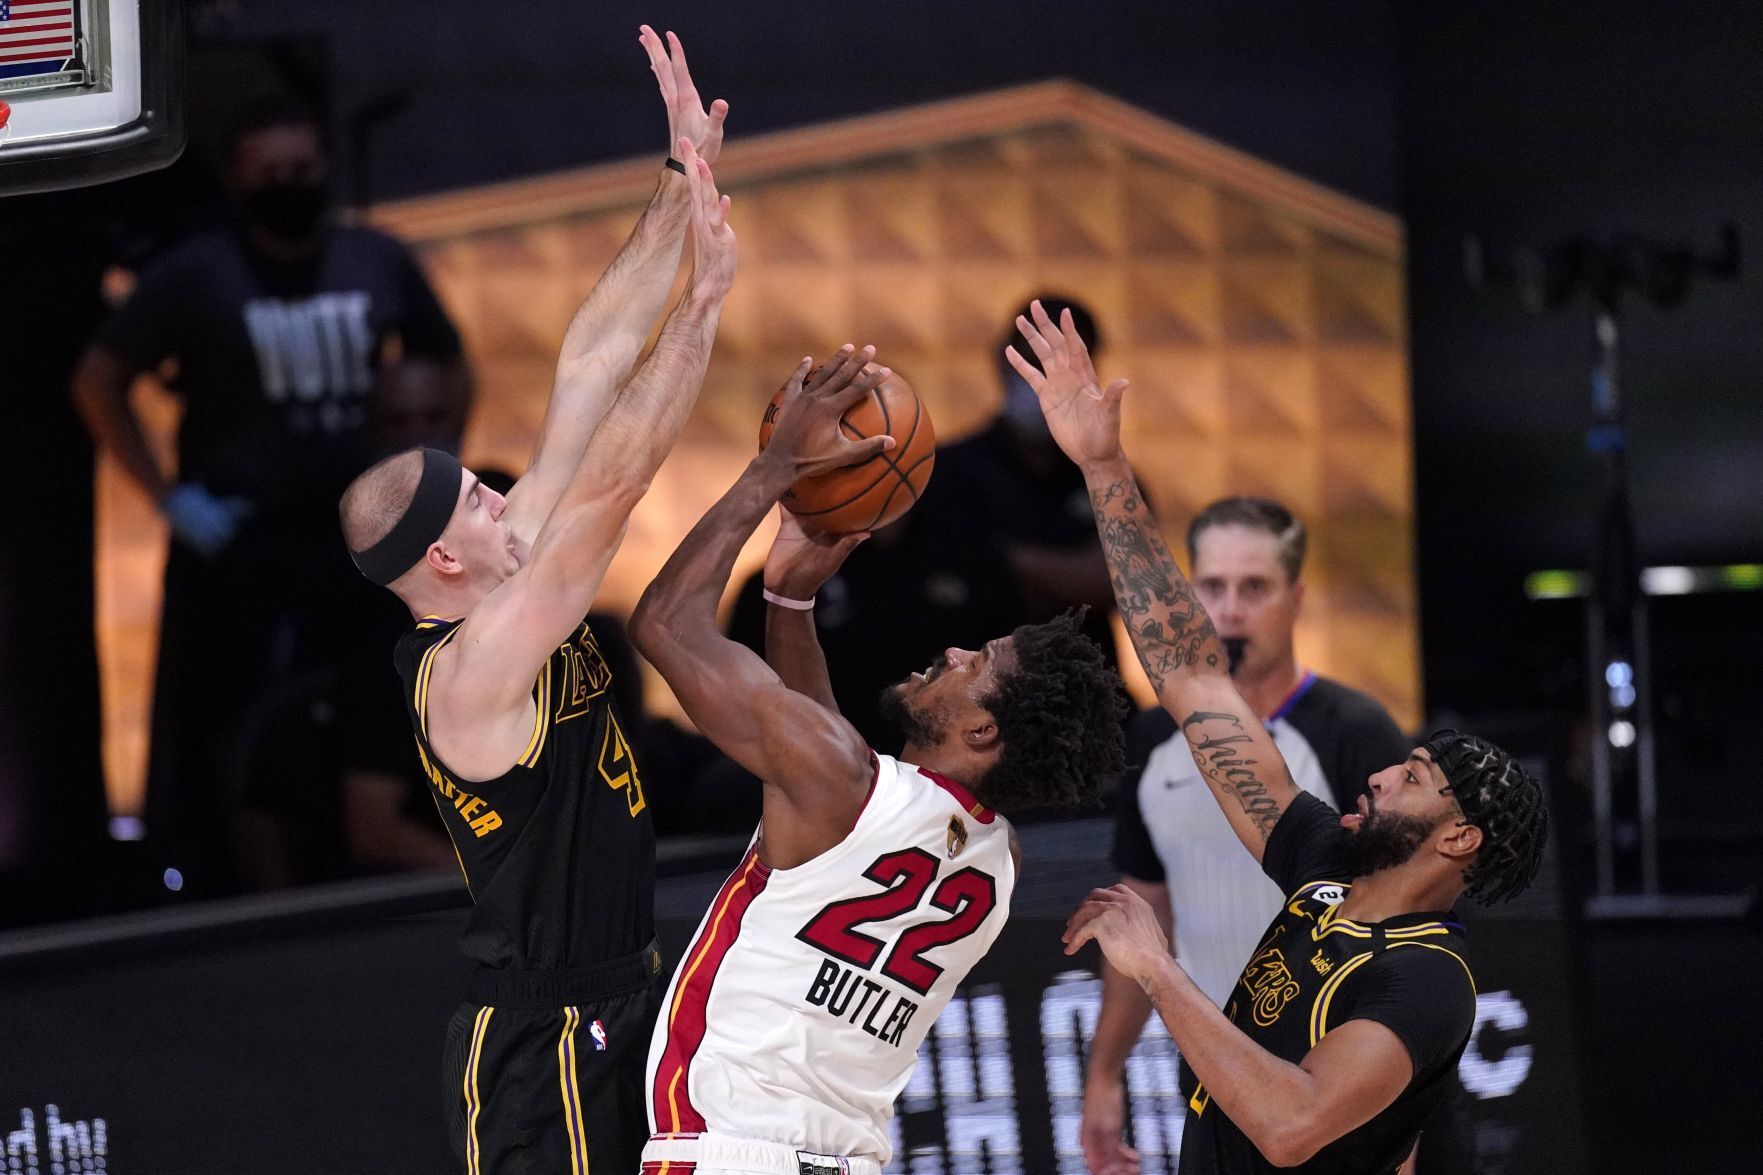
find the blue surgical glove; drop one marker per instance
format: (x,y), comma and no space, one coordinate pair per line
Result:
(201,519)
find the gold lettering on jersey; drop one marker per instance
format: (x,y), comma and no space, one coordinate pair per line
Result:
(474,810)
(618,768)
(585,675)
(1270,982)
(1322,965)
(957,838)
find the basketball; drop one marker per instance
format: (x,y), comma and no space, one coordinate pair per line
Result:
(872,493)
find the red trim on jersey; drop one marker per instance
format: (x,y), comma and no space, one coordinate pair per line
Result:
(874,778)
(962,796)
(686,1020)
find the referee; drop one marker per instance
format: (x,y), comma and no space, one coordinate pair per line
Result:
(511,700)
(1338,1039)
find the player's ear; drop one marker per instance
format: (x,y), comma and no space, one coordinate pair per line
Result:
(1461,842)
(441,559)
(981,736)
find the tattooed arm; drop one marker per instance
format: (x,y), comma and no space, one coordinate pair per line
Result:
(1170,631)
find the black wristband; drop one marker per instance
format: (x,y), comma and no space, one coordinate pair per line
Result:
(676,165)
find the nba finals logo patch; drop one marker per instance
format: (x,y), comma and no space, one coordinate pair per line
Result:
(957,839)
(597,1030)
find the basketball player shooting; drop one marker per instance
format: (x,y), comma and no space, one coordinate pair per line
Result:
(1345,1024)
(874,883)
(510,697)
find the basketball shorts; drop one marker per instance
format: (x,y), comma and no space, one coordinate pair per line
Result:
(544,1069)
(712,1153)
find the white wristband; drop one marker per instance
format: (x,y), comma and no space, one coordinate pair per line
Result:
(785,602)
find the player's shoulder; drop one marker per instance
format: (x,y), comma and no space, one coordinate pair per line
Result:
(1432,954)
(427,633)
(1336,703)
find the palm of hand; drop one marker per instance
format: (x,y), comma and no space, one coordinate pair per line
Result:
(800,561)
(1082,422)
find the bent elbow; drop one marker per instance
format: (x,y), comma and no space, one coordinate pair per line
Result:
(651,624)
(1289,1145)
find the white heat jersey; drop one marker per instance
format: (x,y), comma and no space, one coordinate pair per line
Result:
(796,1014)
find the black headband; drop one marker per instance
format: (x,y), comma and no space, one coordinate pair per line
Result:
(430,509)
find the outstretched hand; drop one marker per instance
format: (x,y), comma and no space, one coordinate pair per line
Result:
(1123,924)
(801,560)
(686,116)
(1083,417)
(714,256)
(807,435)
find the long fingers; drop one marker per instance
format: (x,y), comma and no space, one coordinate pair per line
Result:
(682,73)
(866,381)
(851,365)
(1054,337)
(1024,368)
(1037,342)
(826,370)
(708,206)
(658,62)
(793,388)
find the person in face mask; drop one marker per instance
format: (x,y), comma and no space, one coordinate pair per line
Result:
(274,330)
(1009,486)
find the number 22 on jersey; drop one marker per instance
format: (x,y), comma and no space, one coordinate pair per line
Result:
(967,896)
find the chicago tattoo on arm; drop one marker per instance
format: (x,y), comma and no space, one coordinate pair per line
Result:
(1219,754)
(1171,632)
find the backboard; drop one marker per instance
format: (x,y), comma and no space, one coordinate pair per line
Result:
(92,90)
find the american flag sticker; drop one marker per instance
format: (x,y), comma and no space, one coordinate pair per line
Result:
(37,37)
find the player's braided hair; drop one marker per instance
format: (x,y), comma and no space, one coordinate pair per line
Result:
(1059,713)
(1501,798)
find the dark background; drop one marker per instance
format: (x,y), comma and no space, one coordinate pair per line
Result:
(1524,123)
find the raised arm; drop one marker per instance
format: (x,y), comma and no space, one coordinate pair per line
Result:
(607,332)
(1170,631)
(482,681)
(814,764)
(798,563)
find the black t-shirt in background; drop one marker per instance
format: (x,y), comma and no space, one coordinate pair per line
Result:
(1315,971)
(275,362)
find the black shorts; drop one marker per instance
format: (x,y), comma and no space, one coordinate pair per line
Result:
(544,1069)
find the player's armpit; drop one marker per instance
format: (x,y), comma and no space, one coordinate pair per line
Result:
(479,704)
(1236,756)
(1356,1072)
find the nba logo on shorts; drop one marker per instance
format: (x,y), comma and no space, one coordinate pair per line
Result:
(597,1030)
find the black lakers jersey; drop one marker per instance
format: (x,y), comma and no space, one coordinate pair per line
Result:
(1312,972)
(559,852)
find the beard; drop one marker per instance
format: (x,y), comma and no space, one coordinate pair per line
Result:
(916,727)
(1385,840)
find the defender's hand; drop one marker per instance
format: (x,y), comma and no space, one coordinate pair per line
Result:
(800,560)
(714,256)
(807,437)
(1083,417)
(686,116)
(1125,926)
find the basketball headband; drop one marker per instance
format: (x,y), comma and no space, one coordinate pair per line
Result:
(430,509)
